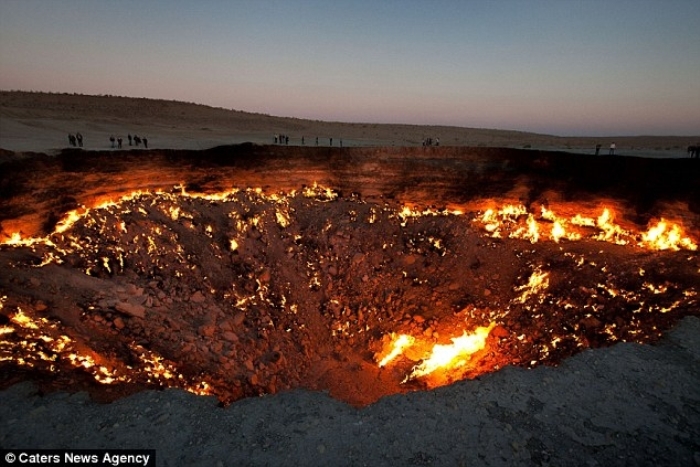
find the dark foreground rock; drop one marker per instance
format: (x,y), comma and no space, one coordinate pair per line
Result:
(629,404)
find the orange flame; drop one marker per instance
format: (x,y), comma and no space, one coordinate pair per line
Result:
(452,356)
(399,344)
(667,236)
(435,358)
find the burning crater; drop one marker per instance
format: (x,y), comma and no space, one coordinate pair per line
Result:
(230,272)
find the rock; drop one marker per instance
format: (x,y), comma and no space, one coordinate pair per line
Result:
(119,323)
(230,336)
(40,306)
(418,319)
(238,318)
(500,332)
(487,292)
(591,322)
(107,303)
(133,290)
(197,297)
(265,276)
(207,330)
(131,309)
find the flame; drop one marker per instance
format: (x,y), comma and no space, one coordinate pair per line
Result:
(444,359)
(507,221)
(398,345)
(451,356)
(667,236)
(537,282)
(611,232)
(40,342)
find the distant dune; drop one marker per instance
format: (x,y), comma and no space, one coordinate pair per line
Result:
(41,122)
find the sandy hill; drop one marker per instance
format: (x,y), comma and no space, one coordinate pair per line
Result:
(37,121)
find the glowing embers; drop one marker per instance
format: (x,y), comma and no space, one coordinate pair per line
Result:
(320,193)
(438,363)
(536,284)
(38,343)
(408,212)
(515,221)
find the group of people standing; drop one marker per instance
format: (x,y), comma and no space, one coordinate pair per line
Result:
(611,151)
(284,139)
(133,141)
(431,142)
(75,140)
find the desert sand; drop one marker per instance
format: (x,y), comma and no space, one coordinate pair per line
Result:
(41,122)
(290,291)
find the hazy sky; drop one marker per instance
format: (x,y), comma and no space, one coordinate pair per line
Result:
(565,67)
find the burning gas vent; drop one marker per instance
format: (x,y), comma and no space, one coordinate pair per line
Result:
(246,293)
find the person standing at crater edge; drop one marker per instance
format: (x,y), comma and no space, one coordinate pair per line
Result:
(612,148)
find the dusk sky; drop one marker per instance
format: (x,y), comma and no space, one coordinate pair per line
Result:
(562,67)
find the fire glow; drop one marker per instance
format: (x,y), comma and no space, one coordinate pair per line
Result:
(35,342)
(437,362)
(138,241)
(514,221)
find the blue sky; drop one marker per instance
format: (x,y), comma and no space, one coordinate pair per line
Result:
(560,67)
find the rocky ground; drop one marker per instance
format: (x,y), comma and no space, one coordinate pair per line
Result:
(247,279)
(625,405)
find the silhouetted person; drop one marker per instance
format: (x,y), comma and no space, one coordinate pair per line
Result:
(597,149)
(71,140)
(331,141)
(130,139)
(302,140)
(112,140)
(145,143)
(119,142)
(612,149)
(79,137)
(137,140)
(317,141)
